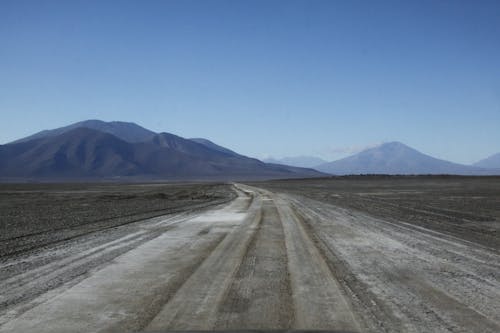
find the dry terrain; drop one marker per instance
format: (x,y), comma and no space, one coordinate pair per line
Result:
(371,254)
(466,207)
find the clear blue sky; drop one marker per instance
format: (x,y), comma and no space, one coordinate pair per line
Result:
(278,78)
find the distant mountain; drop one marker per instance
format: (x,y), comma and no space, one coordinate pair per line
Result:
(396,158)
(129,132)
(298,161)
(492,162)
(83,153)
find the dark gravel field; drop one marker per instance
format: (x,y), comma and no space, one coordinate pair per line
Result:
(465,207)
(32,215)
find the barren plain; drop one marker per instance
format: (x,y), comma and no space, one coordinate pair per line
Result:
(349,254)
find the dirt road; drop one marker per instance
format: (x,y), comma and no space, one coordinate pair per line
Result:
(264,261)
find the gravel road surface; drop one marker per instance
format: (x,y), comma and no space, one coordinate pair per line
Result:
(266,260)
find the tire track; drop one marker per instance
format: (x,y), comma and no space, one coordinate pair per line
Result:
(67,272)
(442,307)
(265,261)
(121,297)
(376,316)
(18,290)
(427,289)
(164,293)
(44,240)
(194,305)
(260,295)
(319,300)
(127,292)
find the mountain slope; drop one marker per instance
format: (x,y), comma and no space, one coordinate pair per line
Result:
(492,162)
(218,157)
(298,161)
(129,132)
(211,145)
(80,152)
(191,147)
(395,158)
(84,153)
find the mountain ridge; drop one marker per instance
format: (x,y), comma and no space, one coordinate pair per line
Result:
(75,152)
(94,148)
(126,131)
(214,146)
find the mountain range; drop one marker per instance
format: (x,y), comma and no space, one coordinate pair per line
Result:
(393,158)
(397,158)
(94,149)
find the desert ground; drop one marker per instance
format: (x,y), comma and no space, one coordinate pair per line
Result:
(347,254)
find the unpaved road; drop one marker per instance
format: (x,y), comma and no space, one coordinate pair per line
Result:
(265,261)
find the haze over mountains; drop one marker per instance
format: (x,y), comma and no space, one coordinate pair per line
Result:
(298,161)
(393,158)
(492,162)
(95,149)
(397,158)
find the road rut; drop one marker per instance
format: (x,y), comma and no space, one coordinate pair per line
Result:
(263,261)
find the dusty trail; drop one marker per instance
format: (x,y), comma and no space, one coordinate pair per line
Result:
(192,306)
(264,261)
(260,294)
(319,301)
(408,279)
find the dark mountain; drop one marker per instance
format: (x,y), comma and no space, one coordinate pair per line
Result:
(396,158)
(84,153)
(492,162)
(81,152)
(214,146)
(298,161)
(190,147)
(129,132)
(223,159)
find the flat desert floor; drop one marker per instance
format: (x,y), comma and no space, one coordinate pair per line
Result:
(349,254)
